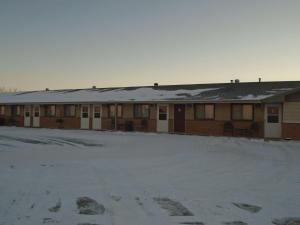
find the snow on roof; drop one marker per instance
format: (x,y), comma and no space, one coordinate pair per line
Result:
(248,91)
(100,95)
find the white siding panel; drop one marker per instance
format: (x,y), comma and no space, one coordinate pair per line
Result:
(291,112)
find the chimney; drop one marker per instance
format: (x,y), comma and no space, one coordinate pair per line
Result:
(155,84)
(231,81)
(94,87)
(47,89)
(236,81)
(259,79)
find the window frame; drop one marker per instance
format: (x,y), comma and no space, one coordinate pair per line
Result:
(242,104)
(69,116)
(140,105)
(46,110)
(166,113)
(2,110)
(204,104)
(116,107)
(94,112)
(15,110)
(18,110)
(121,112)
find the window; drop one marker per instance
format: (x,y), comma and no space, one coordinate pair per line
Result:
(85,112)
(97,111)
(16,111)
(69,110)
(273,114)
(141,111)
(119,110)
(205,111)
(2,110)
(242,112)
(162,112)
(50,110)
(112,110)
(36,111)
(27,110)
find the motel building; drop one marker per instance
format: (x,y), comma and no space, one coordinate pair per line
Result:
(252,109)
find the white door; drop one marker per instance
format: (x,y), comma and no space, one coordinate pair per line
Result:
(36,116)
(162,118)
(97,117)
(273,118)
(85,120)
(27,115)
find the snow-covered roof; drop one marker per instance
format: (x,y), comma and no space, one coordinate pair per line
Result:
(253,91)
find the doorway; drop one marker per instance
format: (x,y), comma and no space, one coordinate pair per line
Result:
(162,118)
(273,118)
(85,120)
(179,118)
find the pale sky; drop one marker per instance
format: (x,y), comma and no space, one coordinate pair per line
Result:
(77,44)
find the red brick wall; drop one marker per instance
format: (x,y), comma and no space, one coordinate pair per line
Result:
(19,121)
(13,121)
(216,128)
(68,122)
(137,124)
(291,130)
(48,122)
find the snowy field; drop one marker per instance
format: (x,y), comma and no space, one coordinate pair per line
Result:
(145,179)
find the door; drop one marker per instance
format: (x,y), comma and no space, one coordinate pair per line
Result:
(97,117)
(85,120)
(162,118)
(273,118)
(179,118)
(27,116)
(36,116)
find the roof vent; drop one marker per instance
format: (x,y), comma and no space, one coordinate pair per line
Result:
(47,89)
(259,79)
(236,81)
(155,84)
(94,87)
(231,81)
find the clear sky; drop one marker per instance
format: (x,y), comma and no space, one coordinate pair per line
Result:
(76,44)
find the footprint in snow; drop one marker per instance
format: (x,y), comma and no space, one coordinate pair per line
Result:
(287,221)
(248,207)
(88,206)
(55,208)
(235,223)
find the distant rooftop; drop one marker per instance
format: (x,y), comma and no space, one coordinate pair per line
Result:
(218,92)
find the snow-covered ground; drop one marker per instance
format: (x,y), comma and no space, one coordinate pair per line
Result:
(145,179)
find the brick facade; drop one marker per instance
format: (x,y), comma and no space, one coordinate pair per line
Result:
(291,130)
(213,127)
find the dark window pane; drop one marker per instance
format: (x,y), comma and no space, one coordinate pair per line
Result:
(69,110)
(237,112)
(112,111)
(96,115)
(141,111)
(119,109)
(85,115)
(273,119)
(200,111)
(163,116)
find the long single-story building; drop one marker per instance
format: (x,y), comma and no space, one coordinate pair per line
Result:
(254,109)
